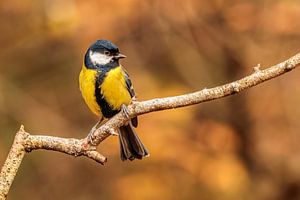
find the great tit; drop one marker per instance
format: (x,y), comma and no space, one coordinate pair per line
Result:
(107,89)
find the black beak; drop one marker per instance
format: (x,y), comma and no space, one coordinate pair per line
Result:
(119,56)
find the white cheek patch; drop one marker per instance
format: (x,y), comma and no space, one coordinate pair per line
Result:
(99,58)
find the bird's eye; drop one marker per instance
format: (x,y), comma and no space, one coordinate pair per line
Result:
(106,53)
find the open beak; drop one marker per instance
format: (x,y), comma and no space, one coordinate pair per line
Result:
(119,56)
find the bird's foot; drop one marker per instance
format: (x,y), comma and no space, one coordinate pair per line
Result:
(114,132)
(125,111)
(90,135)
(134,99)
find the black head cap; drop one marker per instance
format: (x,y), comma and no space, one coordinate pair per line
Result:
(104,45)
(109,58)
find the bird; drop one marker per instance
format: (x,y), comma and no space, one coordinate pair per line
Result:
(107,89)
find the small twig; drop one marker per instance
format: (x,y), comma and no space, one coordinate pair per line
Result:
(24,142)
(257,68)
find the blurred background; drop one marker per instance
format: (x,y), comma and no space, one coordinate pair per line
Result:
(245,146)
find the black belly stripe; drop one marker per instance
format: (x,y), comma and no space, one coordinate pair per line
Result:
(105,108)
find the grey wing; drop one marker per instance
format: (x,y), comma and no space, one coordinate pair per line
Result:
(129,85)
(130,89)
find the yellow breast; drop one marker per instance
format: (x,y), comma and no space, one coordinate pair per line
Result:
(114,88)
(87,80)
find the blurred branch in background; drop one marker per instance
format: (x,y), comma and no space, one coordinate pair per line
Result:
(24,142)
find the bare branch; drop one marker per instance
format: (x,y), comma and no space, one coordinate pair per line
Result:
(24,142)
(71,146)
(12,163)
(139,108)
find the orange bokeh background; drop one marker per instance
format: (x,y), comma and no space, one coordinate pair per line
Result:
(245,146)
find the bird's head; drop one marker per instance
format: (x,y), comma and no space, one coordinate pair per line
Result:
(101,53)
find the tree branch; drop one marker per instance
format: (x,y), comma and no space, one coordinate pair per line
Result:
(139,108)
(12,164)
(24,142)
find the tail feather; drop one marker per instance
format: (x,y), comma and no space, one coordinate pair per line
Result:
(131,146)
(134,121)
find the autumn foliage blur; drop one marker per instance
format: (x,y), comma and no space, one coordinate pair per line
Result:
(246,146)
